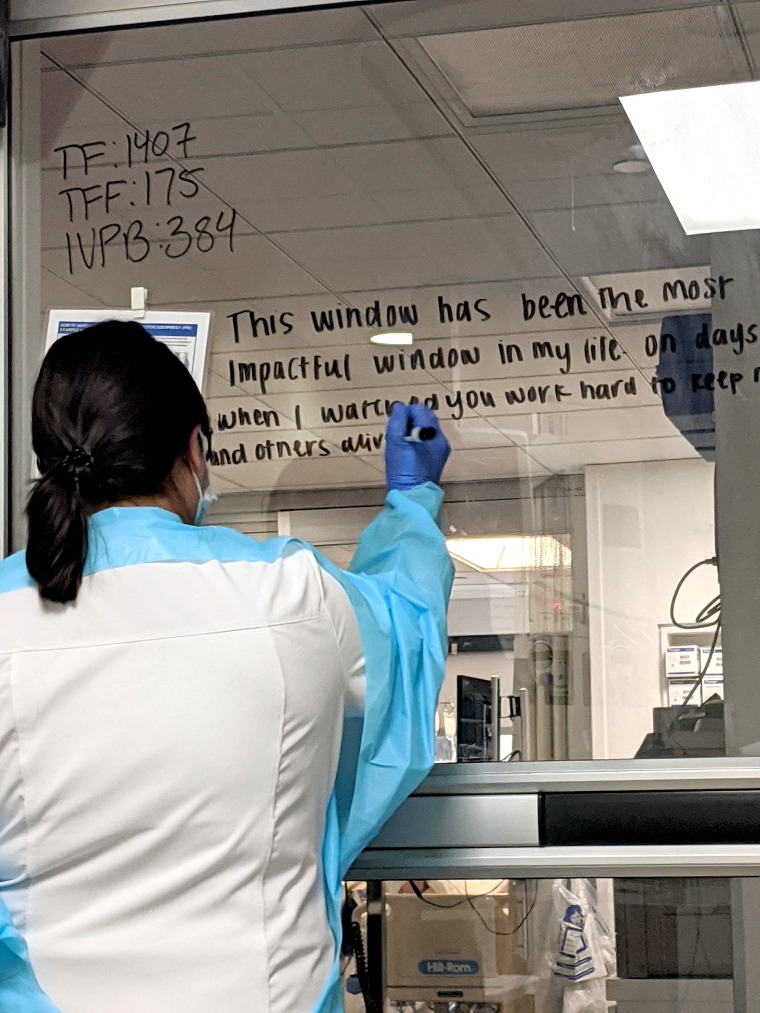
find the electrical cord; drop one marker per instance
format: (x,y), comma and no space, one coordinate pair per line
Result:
(707,616)
(444,907)
(495,932)
(468,899)
(712,608)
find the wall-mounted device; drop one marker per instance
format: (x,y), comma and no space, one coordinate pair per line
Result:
(478,719)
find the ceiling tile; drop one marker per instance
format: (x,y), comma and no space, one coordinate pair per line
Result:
(166,42)
(359,124)
(586,63)
(362,74)
(403,18)
(422,254)
(555,152)
(542,429)
(619,238)
(749,15)
(178,89)
(410,165)
(501,462)
(278,176)
(179,280)
(569,458)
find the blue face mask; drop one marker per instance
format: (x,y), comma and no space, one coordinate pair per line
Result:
(207,497)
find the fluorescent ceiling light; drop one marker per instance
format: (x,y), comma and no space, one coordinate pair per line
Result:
(704,145)
(635,161)
(510,552)
(393,338)
(631,166)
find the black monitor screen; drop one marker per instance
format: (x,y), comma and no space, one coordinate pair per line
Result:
(475,740)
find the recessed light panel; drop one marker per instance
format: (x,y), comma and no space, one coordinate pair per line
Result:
(393,338)
(704,145)
(510,552)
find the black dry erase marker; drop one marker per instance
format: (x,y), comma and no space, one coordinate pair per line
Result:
(420,434)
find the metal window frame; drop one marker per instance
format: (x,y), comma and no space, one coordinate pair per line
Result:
(432,836)
(30,18)
(5,350)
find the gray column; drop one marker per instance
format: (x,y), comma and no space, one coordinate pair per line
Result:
(737,255)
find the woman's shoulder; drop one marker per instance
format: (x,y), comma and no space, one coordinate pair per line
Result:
(14,575)
(230,546)
(126,537)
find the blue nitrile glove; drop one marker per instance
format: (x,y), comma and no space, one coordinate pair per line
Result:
(408,464)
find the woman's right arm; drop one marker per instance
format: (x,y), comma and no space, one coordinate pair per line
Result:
(398,586)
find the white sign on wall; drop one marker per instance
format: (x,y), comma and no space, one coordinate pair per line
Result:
(186,334)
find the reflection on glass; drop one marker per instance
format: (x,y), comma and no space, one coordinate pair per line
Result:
(542,946)
(324,180)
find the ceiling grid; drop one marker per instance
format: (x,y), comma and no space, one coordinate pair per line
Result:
(401,152)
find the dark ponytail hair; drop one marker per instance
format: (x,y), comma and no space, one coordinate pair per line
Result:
(113,411)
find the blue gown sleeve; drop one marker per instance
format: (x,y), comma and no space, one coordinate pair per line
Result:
(19,989)
(398,584)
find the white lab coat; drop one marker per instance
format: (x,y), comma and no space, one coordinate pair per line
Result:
(168,757)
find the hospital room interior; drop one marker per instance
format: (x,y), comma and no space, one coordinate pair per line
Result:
(474,206)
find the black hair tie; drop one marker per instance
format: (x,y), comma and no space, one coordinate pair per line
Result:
(77,462)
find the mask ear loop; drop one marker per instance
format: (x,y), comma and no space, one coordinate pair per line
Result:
(208,496)
(197,484)
(205,446)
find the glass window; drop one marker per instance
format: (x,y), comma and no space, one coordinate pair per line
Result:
(559,209)
(529,946)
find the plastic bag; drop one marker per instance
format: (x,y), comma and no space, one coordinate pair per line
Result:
(580,948)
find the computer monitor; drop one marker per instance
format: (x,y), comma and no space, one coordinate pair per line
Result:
(477,719)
